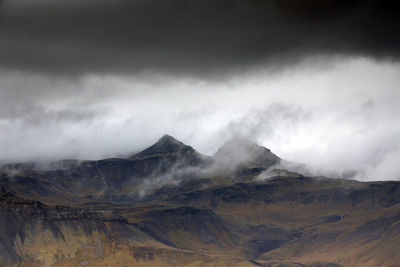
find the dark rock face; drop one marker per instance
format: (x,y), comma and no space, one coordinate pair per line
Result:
(204,224)
(21,218)
(303,190)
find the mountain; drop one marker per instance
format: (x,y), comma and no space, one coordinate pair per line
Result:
(169,153)
(115,179)
(242,155)
(168,146)
(195,211)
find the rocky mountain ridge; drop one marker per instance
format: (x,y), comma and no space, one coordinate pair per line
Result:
(122,179)
(89,213)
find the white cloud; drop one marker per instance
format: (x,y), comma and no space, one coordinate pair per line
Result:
(334,114)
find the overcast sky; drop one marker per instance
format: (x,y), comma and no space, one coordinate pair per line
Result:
(315,81)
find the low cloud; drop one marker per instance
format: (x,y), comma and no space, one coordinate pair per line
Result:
(172,177)
(336,115)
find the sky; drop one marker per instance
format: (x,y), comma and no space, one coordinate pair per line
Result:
(316,81)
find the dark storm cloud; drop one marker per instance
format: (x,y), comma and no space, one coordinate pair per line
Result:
(36,115)
(190,36)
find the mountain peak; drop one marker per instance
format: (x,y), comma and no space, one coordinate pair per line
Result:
(240,141)
(165,145)
(168,139)
(239,144)
(239,150)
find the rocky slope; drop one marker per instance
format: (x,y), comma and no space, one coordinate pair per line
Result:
(171,206)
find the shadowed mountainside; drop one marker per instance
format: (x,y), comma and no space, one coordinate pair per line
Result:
(115,179)
(206,212)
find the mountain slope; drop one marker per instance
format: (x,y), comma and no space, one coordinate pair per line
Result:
(114,179)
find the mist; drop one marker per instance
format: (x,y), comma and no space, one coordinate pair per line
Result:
(336,115)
